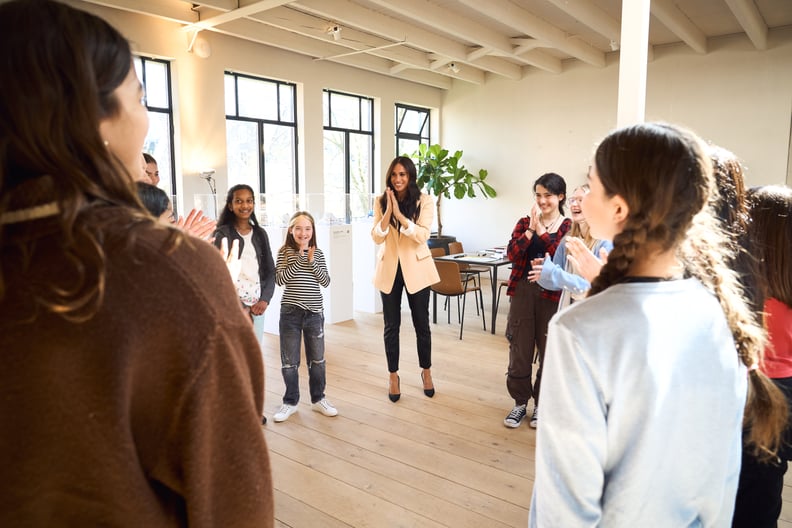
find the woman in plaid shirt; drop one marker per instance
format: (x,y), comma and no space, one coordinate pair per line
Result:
(531,305)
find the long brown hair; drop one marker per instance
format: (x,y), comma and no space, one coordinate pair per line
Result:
(665,176)
(60,71)
(770,239)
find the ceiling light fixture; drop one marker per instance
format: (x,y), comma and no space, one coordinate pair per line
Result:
(335,30)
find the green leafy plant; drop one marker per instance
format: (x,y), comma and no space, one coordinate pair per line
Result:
(444,176)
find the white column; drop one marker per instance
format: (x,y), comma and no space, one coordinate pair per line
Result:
(632,62)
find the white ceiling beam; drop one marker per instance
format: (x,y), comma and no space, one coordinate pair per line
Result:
(523,45)
(675,20)
(236,13)
(588,14)
(315,27)
(348,13)
(749,17)
(461,26)
(540,59)
(220,5)
(448,21)
(398,68)
(278,38)
(526,22)
(477,53)
(174,10)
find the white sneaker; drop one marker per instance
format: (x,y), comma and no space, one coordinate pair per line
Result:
(285,411)
(325,407)
(532,423)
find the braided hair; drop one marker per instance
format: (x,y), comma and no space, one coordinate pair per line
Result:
(665,176)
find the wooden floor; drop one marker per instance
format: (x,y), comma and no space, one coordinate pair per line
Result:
(421,462)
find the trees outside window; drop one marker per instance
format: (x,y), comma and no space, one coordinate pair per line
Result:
(261,134)
(155,75)
(348,154)
(413,125)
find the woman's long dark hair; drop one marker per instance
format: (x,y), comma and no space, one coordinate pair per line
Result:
(154,199)
(227,217)
(60,69)
(410,204)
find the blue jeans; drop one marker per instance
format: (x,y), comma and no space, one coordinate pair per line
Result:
(258,326)
(294,323)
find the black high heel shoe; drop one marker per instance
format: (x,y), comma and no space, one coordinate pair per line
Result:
(428,392)
(394,397)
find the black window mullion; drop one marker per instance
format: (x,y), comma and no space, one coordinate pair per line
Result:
(236,95)
(424,125)
(262,165)
(279,121)
(347,164)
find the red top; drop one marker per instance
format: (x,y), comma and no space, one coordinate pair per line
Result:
(778,355)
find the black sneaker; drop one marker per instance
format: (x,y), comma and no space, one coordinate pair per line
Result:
(533,422)
(515,416)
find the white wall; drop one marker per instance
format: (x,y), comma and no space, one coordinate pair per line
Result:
(734,96)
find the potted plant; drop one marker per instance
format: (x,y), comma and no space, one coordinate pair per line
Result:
(444,176)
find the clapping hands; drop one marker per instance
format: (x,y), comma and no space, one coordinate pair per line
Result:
(197,224)
(586,263)
(232,260)
(391,209)
(310,253)
(536,268)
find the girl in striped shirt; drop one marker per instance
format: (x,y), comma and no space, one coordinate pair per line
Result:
(301,270)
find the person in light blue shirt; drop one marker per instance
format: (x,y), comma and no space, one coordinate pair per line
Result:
(560,273)
(647,379)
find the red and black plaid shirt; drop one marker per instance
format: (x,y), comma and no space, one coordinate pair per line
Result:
(521,251)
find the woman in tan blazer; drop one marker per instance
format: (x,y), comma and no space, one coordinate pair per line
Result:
(403,218)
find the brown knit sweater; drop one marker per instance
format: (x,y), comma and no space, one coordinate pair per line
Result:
(146,415)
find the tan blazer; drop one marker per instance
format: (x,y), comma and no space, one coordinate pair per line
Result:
(411,251)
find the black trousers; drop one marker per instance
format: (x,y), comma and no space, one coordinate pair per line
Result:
(391,313)
(758,502)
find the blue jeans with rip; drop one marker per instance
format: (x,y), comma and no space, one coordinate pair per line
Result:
(296,322)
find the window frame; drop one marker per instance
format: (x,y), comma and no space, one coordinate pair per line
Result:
(326,125)
(420,137)
(167,110)
(261,122)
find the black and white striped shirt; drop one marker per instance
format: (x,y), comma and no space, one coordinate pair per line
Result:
(301,279)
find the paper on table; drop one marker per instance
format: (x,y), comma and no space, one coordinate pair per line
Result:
(477,258)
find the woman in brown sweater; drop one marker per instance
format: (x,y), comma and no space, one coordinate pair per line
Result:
(127,398)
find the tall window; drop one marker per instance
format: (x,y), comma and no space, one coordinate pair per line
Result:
(412,128)
(156,78)
(348,154)
(261,133)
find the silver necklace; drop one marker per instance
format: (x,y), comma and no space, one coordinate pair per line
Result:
(548,226)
